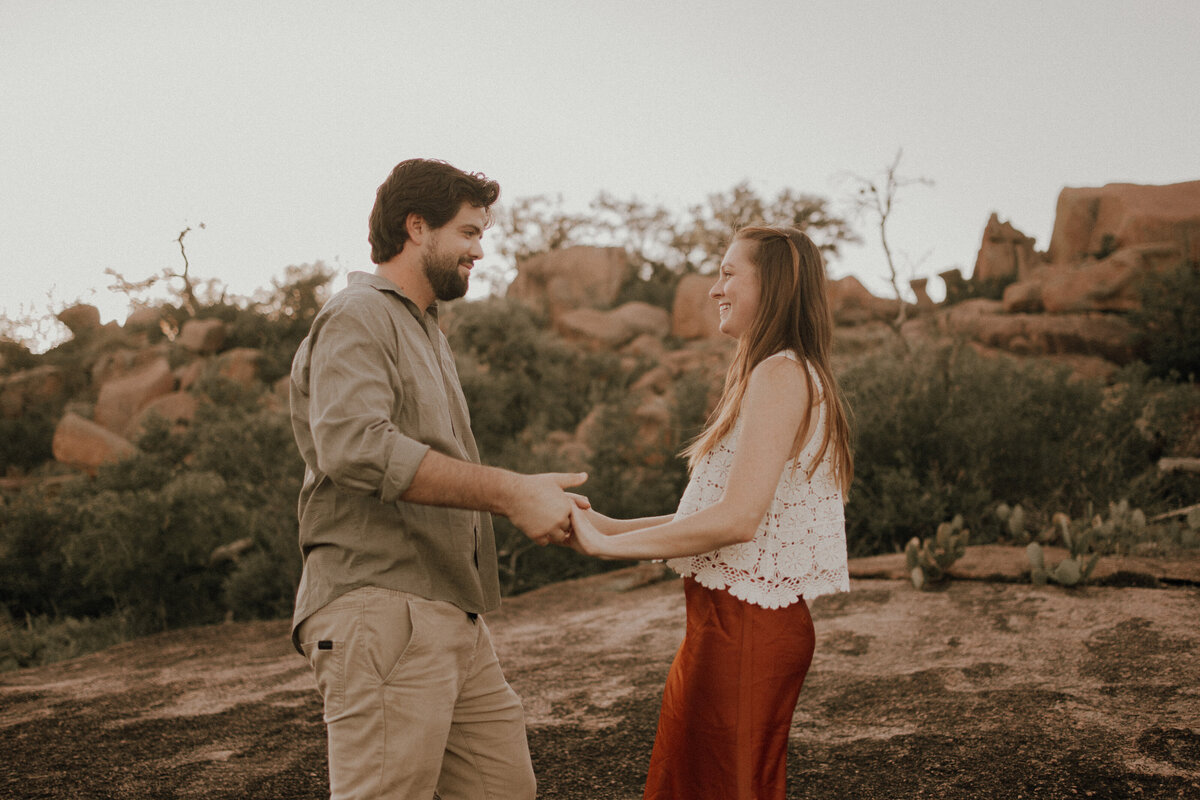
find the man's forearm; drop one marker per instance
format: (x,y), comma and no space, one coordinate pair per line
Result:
(444,481)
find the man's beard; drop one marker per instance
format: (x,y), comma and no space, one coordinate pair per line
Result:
(443,275)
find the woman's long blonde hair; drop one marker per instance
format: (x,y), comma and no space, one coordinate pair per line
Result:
(793,314)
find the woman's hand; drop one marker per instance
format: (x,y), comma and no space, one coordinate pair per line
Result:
(585,537)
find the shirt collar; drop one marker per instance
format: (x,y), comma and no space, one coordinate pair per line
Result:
(384,285)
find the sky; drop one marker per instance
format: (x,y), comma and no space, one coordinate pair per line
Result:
(272,123)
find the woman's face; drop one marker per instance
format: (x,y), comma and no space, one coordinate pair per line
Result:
(737,288)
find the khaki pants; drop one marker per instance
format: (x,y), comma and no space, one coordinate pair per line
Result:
(415,701)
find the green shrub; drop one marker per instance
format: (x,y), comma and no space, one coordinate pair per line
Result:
(945,429)
(516,376)
(26,442)
(44,639)
(1168,323)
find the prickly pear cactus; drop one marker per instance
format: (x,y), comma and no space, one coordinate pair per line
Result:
(1076,568)
(928,562)
(1016,524)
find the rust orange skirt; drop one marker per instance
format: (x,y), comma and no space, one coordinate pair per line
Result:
(728,703)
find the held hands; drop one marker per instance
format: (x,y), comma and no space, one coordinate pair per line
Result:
(586,538)
(540,507)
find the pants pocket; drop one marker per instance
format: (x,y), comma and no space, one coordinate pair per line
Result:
(390,630)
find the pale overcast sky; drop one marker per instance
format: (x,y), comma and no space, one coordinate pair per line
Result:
(273,122)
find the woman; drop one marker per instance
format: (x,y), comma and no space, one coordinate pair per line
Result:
(759,530)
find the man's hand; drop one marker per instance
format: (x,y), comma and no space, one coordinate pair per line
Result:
(540,508)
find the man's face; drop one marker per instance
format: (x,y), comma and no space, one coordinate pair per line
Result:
(452,251)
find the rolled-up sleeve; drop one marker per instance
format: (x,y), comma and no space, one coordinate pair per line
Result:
(354,388)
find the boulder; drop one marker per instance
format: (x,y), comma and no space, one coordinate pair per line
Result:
(654,381)
(240,364)
(203,336)
(82,443)
(1109,285)
(1005,253)
(187,374)
(645,346)
(39,386)
(575,277)
(852,303)
(1023,297)
(143,318)
(920,291)
(693,312)
(1093,334)
(612,329)
(80,318)
(653,418)
(177,408)
(123,397)
(1095,222)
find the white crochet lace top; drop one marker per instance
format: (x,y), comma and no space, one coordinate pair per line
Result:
(800,547)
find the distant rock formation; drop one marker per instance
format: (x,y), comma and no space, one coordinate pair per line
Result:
(1005,254)
(1092,223)
(1105,241)
(611,329)
(574,277)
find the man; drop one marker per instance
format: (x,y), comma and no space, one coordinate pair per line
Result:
(399,554)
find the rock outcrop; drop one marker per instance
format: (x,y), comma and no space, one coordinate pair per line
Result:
(693,312)
(120,399)
(80,319)
(852,303)
(1005,254)
(983,689)
(1091,222)
(613,328)
(574,277)
(1105,242)
(985,321)
(82,443)
(204,336)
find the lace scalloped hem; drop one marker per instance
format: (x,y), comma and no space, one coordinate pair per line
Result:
(765,595)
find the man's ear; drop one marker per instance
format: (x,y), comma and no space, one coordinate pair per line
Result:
(417,228)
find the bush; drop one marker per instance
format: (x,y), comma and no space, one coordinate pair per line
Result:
(44,639)
(1168,323)
(945,431)
(516,376)
(26,442)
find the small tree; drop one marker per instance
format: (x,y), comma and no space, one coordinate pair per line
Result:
(876,198)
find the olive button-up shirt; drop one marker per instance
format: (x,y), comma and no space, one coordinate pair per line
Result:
(373,388)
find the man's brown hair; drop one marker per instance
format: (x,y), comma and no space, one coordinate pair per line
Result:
(432,189)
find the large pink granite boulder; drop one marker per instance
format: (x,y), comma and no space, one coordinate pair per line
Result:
(852,303)
(612,329)
(121,398)
(693,313)
(177,408)
(204,336)
(1090,221)
(80,318)
(1104,335)
(574,277)
(1004,254)
(83,444)
(240,364)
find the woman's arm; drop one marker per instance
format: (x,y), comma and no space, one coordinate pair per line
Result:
(610,526)
(771,412)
